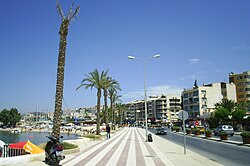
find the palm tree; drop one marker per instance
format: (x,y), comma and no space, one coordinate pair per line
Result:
(112,90)
(63,31)
(109,84)
(116,100)
(94,79)
(121,109)
(228,104)
(105,86)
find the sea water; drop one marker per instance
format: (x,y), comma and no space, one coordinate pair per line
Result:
(34,137)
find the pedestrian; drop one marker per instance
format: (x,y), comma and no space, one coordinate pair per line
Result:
(108,131)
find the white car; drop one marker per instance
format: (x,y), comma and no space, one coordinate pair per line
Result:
(227,128)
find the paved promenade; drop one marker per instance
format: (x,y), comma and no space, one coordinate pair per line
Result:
(128,147)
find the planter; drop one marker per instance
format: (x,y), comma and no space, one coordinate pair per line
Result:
(246,140)
(197,133)
(223,137)
(208,134)
(245,137)
(188,131)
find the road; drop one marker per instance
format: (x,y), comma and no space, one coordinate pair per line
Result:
(223,153)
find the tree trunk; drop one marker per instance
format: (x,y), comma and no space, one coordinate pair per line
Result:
(106,107)
(111,108)
(98,111)
(60,78)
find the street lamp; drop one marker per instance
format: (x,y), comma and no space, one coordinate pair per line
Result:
(145,93)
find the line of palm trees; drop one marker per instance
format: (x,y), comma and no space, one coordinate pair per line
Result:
(103,82)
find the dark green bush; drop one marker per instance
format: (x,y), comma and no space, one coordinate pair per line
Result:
(93,136)
(245,134)
(223,133)
(208,131)
(67,145)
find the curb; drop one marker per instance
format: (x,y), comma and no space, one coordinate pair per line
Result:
(215,139)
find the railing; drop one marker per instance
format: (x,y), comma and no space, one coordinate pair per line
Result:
(9,152)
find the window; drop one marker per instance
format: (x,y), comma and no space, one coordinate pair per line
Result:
(196,108)
(174,104)
(223,85)
(248,95)
(185,102)
(247,89)
(241,90)
(185,95)
(239,77)
(203,92)
(240,84)
(241,96)
(195,93)
(196,100)
(204,107)
(174,100)
(247,83)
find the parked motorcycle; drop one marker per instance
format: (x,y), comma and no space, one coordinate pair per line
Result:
(54,151)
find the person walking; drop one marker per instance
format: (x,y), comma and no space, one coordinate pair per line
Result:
(108,131)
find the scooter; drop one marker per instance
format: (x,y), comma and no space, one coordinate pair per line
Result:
(54,151)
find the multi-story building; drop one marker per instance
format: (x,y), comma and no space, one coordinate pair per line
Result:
(162,108)
(199,101)
(242,83)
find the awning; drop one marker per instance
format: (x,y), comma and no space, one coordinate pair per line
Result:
(27,146)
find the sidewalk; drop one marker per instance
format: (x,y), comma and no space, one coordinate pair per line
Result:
(128,147)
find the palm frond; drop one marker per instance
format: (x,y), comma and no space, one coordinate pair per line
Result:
(73,16)
(70,11)
(59,10)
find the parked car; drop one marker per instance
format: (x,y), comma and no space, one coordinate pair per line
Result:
(161,130)
(201,128)
(227,128)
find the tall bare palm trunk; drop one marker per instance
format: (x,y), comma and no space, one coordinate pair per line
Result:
(112,111)
(98,111)
(60,78)
(106,106)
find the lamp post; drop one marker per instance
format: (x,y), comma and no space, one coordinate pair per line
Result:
(145,93)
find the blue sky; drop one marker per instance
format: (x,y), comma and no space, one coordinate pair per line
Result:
(197,39)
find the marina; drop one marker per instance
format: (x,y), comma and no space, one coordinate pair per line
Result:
(35,137)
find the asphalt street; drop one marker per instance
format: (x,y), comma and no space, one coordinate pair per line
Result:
(223,153)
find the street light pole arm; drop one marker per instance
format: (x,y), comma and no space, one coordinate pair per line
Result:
(155,56)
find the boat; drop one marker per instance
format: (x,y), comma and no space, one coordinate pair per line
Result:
(14,131)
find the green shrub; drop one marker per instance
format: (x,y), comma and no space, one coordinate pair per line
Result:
(197,130)
(208,131)
(176,128)
(223,133)
(93,136)
(67,145)
(245,134)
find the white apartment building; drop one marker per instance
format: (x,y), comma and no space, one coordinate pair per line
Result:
(162,108)
(199,101)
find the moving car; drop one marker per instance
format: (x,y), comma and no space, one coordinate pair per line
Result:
(161,130)
(227,128)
